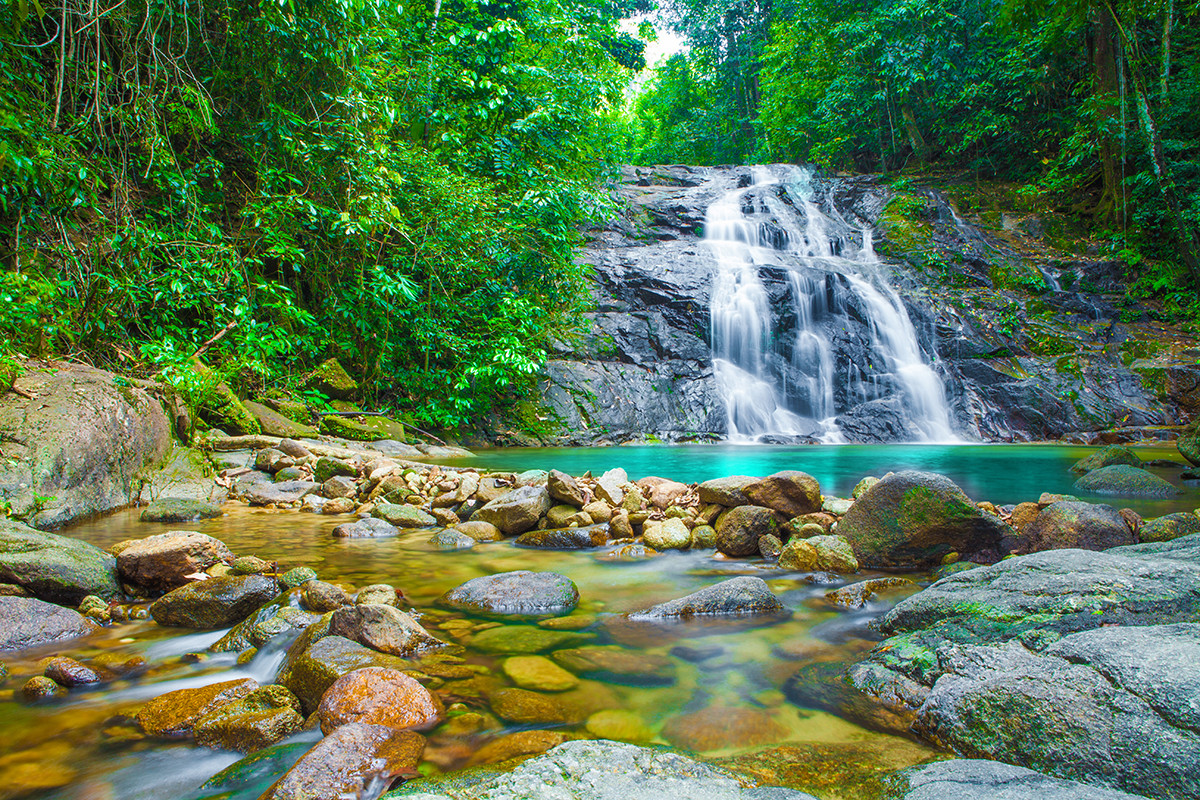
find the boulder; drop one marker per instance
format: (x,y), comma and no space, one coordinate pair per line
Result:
(339,486)
(77,436)
(403,516)
(260,719)
(26,622)
(565,489)
(980,779)
(366,528)
(1106,457)
(521,593)
(518,510)
(70,673)
(729,492)
(910,520)
(565,538)
(1124,481)
(1189,443)
(451,539)
(1102,706)
(284,493)
(480,531)
(162,562)
(313,663)
(320,597)
(790,492)
(538,674)
(327,467)
(175,713)
(819,553)
(670,534)
(1169,527)
(614,664)
(739,529)
(276,617)
(356,760)
(274,423)
(214,603)
(660,492)
(377,594)
(742,596)
(383,628)
(331,379)
(379,696)
(55,568)
(604,770)
(608,486)
(179,509)
(1073,524)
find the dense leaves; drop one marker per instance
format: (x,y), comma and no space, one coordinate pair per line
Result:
(398,185)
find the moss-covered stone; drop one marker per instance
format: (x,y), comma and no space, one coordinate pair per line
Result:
(1105,457)
(55,568)
(222,409)
(1170,527)
(1120,480)
(274,423)
(261,718)
(363,429)
(331,379)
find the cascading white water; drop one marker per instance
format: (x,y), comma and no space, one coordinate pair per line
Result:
(849,340)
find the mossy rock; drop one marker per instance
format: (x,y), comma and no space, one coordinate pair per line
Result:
(1120,480)
(274,423)
(1106,457)
(363,429)
(1189,443)
(332,380)
(1170,527)
(294,410)
(8,375)
(223,410)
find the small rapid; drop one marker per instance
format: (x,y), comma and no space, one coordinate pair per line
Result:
(806,329)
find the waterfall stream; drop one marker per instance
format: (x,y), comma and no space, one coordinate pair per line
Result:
(807,333)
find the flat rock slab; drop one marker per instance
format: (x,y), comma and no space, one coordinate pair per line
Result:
(603,770)
(978,779)
(520,593)
(26,622)
(741,596)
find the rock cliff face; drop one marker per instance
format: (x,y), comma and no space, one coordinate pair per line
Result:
(1064,354)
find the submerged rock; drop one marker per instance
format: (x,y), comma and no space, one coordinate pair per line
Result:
(162,562)
(742,596)
(721,727)
(1125,481)
(520,593)
(55,568)
(350,762)
(539,674)
(913,519)
(618,665)
(26,622)
(979,779)
(214,603)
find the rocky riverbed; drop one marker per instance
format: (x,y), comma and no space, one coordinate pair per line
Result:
(1055,635)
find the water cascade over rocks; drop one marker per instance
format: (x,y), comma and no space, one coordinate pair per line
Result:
(805,326)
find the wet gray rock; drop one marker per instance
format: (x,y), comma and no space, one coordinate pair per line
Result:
(283,493)
(741,596)
(565,538)
(339,486)
(366,528)
(27,622)
(521,593)
(602,770)
(55,568)
(214,603)
(739,529)
(1073,524)
(517,511)
(979,779)
(179,509)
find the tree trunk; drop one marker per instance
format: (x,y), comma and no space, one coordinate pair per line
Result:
(1104,75)
(920,148)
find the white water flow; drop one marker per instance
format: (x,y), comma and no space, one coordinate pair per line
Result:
(806,328)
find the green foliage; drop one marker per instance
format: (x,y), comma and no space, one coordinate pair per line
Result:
(397,184)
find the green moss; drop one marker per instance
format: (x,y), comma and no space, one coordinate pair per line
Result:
(331,379)
(1155,380)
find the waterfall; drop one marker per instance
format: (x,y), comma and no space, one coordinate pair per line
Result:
(808,336)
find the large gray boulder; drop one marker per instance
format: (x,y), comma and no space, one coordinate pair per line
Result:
(53,567)
(910,520)
(78,437)
(602,770)
(26,622)
(519,593)
(979,779)
(517,511)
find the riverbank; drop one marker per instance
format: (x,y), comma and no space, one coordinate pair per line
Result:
(739,618)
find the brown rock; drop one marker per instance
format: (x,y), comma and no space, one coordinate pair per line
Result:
(1023,515)
(260,719)
(480,531)
(565,489)
(525,707)
(320,597)
(723,728)
(347,762)
(40,688)
(856,595)
(521,743)
(175,713)
(662,493)
(161,563)
(70,673)
(790,492)
(383,628)
(379,696)
(739,529)
(312,665)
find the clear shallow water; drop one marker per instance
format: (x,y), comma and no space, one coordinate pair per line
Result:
(78,749)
